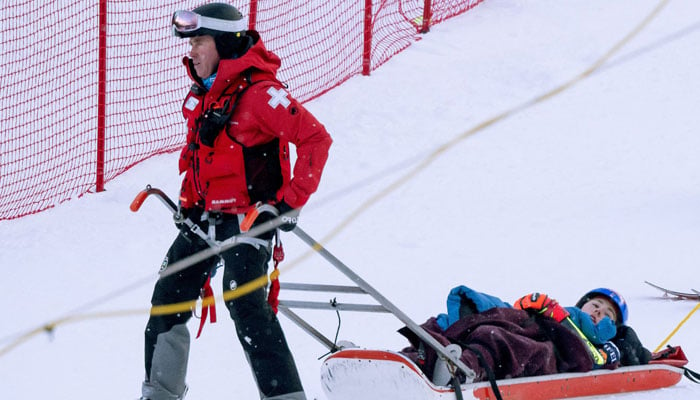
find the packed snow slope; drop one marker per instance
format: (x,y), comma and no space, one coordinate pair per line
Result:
(597,185)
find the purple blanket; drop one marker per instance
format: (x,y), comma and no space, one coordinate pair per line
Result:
(513,344)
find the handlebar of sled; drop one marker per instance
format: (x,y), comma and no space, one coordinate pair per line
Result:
(344,269)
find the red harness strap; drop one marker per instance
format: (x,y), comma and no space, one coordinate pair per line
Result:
(273,296)
(208,302)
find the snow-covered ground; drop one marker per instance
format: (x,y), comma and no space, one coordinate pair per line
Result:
(596,186)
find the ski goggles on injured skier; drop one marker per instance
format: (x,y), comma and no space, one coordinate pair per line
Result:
(188,22)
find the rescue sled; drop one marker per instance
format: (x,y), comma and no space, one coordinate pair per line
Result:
(351,374)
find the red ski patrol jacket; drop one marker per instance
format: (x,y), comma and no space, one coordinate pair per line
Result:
(245,159)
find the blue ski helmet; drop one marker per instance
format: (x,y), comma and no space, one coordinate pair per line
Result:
(613,296)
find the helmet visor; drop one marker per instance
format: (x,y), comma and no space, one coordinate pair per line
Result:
(187,23)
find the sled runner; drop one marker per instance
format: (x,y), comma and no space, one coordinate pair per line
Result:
(353,374)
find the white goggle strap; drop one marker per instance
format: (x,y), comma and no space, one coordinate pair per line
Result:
(221,24)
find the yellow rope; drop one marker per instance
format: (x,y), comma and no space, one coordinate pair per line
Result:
(677,328)
(165,309)
(50,326)
(262,281)
(498,118)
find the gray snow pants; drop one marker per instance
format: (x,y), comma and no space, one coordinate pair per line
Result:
(167,337)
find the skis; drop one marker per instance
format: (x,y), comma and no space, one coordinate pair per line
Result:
(692,295)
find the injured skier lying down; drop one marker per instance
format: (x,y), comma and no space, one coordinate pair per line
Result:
(535,336)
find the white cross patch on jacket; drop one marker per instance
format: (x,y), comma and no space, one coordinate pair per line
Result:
(278,97)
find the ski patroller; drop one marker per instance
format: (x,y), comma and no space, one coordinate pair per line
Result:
(348,373)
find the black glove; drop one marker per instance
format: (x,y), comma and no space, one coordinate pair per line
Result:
(289,215)
(611,354)
(180,217)
(183,214)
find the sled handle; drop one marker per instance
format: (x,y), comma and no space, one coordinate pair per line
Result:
(142,195)
(138,200)
(249,219)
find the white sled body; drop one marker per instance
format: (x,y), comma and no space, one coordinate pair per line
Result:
(353,374)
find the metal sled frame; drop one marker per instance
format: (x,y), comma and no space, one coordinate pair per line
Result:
(384,305)
(285,307)
(362,287)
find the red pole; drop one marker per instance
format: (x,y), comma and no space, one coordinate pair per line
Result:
(101,97)
(252,18)
(367,48)
(427,15)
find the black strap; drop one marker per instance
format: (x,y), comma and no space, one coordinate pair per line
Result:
(458,388)
(233,96)
(248,75)
(489,372)
(692,375)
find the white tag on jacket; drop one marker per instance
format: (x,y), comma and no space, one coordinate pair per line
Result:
(191,103)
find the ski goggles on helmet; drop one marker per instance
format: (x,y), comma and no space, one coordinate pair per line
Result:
(188,23)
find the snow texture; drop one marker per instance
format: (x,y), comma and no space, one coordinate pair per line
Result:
(598,185)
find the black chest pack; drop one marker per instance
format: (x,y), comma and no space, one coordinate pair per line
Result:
(266,164)
(217,116)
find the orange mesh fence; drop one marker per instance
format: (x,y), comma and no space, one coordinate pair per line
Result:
(90,88)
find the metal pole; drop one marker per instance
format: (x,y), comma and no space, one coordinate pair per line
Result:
(101,96)
(367,39)
(306,327)
(415,328)
(427,15)
(253,15)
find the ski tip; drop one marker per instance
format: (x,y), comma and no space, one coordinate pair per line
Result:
(693,295)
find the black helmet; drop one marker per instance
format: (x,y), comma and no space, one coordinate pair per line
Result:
(221,21)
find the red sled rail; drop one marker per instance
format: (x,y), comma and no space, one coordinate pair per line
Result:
(375,374)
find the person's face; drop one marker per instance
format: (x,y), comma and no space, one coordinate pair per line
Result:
(599,307)
(204,55)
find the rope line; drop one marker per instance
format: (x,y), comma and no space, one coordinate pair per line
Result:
(673,332)
(426,162)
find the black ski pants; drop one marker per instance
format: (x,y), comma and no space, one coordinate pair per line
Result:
(259,332)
